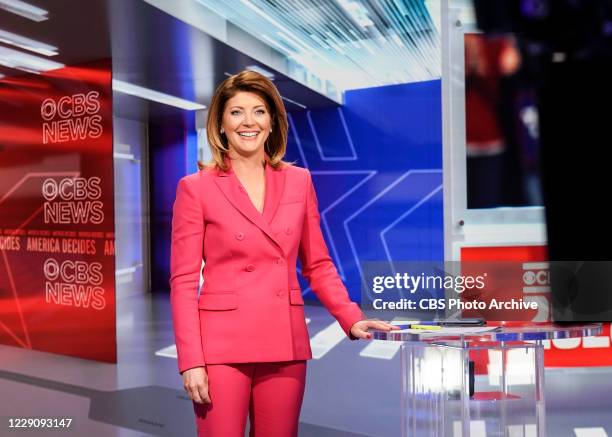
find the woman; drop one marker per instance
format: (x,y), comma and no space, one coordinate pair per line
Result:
(243,344)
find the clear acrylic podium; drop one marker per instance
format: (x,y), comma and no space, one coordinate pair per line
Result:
(443,394)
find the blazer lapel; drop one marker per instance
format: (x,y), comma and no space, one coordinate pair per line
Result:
(231,188)
(275,184)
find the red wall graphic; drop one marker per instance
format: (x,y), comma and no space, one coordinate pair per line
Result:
(57,263)
(589,351)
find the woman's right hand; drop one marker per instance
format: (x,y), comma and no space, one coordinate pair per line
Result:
(195,383)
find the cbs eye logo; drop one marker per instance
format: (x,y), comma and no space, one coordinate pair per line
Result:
(536,279)
(71,118)
(66,107)
(541,277)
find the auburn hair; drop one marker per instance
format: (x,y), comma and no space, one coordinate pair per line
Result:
(253,82)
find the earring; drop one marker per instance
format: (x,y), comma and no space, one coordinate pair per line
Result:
(270,130)
(222,131)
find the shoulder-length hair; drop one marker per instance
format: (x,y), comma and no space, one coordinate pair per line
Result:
(256,83)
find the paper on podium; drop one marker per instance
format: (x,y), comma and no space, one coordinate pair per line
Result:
(454,330)
(441,330)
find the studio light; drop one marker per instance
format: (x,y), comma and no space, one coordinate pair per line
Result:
(155,96)
(24,9)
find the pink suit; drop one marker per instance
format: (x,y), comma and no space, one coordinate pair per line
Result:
(250,309)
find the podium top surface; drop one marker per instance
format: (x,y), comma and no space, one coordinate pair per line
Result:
(535,331)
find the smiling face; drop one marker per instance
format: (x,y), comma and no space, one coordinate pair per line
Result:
(246,121)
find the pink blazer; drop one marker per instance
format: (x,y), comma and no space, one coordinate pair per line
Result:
(250,308)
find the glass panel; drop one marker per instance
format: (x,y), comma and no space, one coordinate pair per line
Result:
(501,125)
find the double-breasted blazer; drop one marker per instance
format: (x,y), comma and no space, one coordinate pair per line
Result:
(250,308)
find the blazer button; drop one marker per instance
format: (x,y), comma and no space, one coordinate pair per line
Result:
(280,293)
(279,261)
(249,267)
(239,236)
(288,231)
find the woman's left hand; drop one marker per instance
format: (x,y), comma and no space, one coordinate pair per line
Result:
(360,329)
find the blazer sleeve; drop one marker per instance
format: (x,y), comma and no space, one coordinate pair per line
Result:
(318,268)
(185,265)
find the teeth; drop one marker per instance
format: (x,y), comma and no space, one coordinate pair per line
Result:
(247,134)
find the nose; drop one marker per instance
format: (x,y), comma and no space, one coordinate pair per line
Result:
(248,120)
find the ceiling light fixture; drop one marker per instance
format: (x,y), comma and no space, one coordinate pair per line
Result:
(261,70)
(27,43)
(293,40)
(24,9)
(155,96)
(261,13)
(278,45)
(357,12)
(26,62)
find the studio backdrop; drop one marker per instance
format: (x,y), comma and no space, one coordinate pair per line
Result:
(57,260)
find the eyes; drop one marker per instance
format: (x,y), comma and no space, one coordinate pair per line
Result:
(237,112)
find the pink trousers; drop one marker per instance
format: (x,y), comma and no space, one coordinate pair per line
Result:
(269,393)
